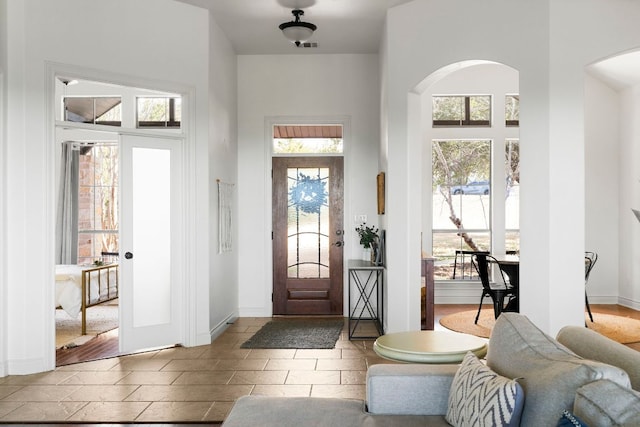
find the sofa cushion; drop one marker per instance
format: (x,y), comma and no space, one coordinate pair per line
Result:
(549,373)
(605,403)
(479,396)
(268,411)
(592,345)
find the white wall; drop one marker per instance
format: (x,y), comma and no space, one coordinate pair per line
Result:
(549,43)
(583,32)
(603,202)
(300,87)
(158,41)
(223,165)
(416,48)
(629,194)
(3,188)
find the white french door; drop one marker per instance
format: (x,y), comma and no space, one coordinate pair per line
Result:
(150,242)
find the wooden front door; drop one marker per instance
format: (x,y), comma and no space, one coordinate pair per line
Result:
(308,235)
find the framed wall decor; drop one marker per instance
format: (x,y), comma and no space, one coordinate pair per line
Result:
(380,180)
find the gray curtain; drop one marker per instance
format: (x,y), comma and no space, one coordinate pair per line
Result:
(67,214)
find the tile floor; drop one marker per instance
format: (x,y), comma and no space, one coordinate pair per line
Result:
(199,383)
(186,384)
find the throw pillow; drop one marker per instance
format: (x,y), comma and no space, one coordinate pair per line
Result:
(481,397)
(569,420)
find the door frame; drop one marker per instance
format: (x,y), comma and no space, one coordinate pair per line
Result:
(269,123)
(188,222)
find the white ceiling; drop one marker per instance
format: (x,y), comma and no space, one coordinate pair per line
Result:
(344,26)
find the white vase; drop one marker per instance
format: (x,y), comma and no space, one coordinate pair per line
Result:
(366,254)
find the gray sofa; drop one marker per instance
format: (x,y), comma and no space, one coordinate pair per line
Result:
(595,380)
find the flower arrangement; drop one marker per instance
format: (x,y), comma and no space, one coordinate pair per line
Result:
(368,235)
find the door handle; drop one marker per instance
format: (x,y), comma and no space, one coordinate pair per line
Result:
(339,243)
(128,255)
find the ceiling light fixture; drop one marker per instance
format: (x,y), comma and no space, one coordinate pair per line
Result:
(297,31)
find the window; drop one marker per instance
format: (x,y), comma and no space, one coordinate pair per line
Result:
(307,139)
(461,199)
(512,110)
(512,201)
(462,110)
(97,202)
(96,110)
(162,112)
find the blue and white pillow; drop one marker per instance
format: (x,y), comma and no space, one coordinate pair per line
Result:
(481,397)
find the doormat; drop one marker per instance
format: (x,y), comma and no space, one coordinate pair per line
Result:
(297,333)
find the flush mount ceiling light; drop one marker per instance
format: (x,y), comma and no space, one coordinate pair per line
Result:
(297,31)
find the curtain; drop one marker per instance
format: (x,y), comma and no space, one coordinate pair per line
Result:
(67,213)
(225,195)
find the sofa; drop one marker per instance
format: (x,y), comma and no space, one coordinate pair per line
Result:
(581,378)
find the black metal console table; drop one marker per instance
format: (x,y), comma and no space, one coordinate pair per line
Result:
(366,300)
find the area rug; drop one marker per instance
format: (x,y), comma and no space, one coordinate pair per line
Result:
(100,318)
(307,333)
(619,328)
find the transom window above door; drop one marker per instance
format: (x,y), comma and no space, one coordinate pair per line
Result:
(307,139)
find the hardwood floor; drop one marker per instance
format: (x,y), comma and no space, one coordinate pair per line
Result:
(103,346)
(106,345)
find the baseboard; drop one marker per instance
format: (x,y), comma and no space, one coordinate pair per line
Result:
(219,329)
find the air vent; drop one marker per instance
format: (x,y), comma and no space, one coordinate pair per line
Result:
(308,44)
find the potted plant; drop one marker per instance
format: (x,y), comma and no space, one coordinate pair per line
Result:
(369,241)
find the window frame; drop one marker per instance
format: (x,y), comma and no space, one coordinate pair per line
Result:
(164,124)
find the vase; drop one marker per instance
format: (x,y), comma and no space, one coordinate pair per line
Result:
(366,254)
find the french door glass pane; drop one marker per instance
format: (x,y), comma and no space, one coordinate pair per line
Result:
(308,223)
(151,188)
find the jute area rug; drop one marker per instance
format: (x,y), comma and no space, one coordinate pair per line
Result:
(100,318)
(298,333)
(621,329)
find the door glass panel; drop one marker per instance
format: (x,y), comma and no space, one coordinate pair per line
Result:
(308,223)
(151,238)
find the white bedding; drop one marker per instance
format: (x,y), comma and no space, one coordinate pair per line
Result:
(69,287)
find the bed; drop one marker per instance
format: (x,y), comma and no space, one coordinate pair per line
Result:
(79,287)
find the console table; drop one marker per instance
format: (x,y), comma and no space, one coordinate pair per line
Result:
(366,300)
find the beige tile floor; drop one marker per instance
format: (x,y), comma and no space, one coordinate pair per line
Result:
(186,384)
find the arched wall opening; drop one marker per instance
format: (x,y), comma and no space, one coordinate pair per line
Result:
(612,177)
(465,78)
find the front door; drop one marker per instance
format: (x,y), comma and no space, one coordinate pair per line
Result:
(308,235)
(150,242)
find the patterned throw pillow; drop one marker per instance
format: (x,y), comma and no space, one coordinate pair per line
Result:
(480,397)
(569,420)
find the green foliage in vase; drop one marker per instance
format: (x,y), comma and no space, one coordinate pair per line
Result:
(368,235)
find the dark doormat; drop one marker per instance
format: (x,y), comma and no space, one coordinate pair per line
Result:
(297,333)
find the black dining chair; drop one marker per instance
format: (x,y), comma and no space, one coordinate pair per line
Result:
(590,259)
(499,292)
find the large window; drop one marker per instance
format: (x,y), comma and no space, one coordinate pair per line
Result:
(97,202)
(512,199)
(461,200)
(462,110)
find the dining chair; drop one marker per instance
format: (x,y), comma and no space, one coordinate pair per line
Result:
(590,259)
(499,292)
